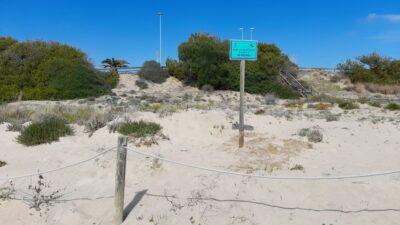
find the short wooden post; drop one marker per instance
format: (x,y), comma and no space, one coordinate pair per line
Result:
(120,180)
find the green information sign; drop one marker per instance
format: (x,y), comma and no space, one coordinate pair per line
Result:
(243,50)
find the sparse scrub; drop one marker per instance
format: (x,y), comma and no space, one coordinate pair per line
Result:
(375,104)
(15,126)
(270,99)
(297,167)
(141,84)
(329,117)
(48,129)
(347,105)
(259,112)
(295,104)
(15,114)
(322,106)
(138,128)
(97,121)
(313,134)
(207,88)
(392,106)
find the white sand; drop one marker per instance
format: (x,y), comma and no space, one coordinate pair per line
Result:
(178,195)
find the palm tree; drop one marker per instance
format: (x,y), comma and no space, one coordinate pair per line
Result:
(114,64)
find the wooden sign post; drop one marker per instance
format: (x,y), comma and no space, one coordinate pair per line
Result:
(242,50)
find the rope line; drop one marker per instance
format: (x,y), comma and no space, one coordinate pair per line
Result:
(261,176)
(59,168)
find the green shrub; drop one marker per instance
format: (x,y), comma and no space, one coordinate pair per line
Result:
(139,129)
(48,129)
(392,106)
(112,79)
(141,84)
(347,105)
(372,68)
(48,70)
(152,71)
(204,60)
(6,42)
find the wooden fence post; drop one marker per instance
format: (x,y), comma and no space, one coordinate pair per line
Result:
(120,180)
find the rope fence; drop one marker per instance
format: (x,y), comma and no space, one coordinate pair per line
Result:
(122,150)
(59,168)
(374,174)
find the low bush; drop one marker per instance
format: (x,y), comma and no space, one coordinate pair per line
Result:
(312,134)
(139,128)
(392,106)
(152,71)
(141,84)
(46,130)
(347,105)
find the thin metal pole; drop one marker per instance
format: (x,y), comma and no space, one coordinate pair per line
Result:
(251,33)
(160,14)
(241,29)
(120,180)
(241,110)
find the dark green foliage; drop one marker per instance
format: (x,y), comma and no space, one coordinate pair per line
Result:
(204,60)
(141,84)
(392,107)
(139,129)
(152,71)
(6,42)
(372,68)
(114,64)
(346,105)
(47,130)
(112,79)
(47,70)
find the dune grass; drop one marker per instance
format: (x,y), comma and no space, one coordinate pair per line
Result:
(139,128)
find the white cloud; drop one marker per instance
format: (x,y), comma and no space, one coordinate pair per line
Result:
(392,18)
(390,36)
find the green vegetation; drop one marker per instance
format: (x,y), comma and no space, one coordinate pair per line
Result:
(114,64)
(347,105)
(139,129)
(372,68)
(152,71)
(141,84)
(6,42)
(204,60)
(38,70)
(392,107)
(48,129)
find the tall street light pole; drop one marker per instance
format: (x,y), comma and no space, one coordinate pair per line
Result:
(160,14)
(241,30)
(251,33)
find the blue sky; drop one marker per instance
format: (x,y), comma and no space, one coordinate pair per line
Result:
(313,33)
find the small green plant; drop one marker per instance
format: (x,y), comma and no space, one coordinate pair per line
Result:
(139,128)
(312,134)
(48,129)
(347,105)
(141,84)
(297,167)
(392,106)
(259,112)
(322,106)
(2,163)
